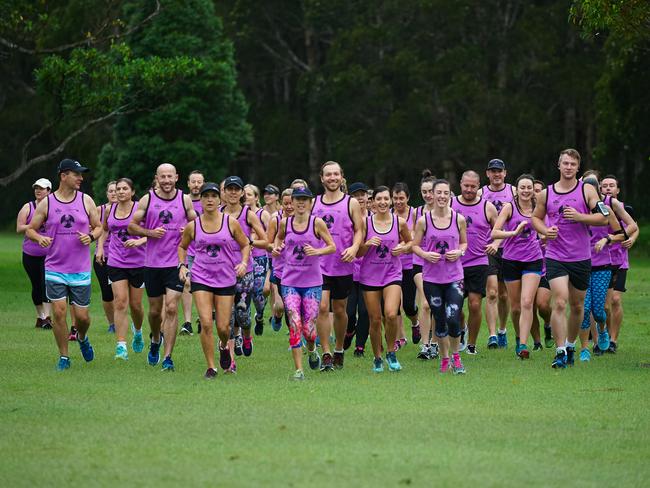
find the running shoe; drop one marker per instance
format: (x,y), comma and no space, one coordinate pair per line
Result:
(338,360)
(434,351)
(39,323)
(560,361)
(63,364)
(247,346)
(233,368)
(598,351)
(314,359)
(493,342)
(603,340)
(548,338)
(327,363)
(444,365)
(168,364)
(393,363)
(402,342)
(471,350)
(347,340)
(457,366)
(154,352)
(225,359)
(259,325)
(86,350)
(359,351)
(137,344)
(397,345)
(239,345)
(73,334)
(424,353)
(111,329)
(537,346)
(522,351)
(502,340)
(187,329)
(47,323)
(463,339)
(612,347)
(378,365)
(585,355)
(121,353)
(276,323)
(570,356)
(210,374)
(299,375)
(416,335)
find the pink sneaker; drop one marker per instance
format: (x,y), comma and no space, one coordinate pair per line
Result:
(247,346)
(402,342)
(397,345)
(444,365)
(233,367)
(73,334)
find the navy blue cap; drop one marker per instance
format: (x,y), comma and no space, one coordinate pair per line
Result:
(271,190)
(496,164)
(357,186)
(71,165)
(233,181)
(302,192)
(209,186)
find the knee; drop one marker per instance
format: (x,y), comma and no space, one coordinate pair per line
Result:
(616,302)
(474,305)
(171,307)
(120,303)
(515,308)
(559,304)
(492,295)
(390,315)
(527,303)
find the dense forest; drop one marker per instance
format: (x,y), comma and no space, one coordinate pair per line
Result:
(271,89)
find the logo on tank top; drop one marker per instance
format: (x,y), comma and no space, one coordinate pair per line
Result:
(67,220)
(165,216)
(442,246)
(299,252)
(329,220)
(382,250)
(468,220)
(526,232)
(498,204)
(123,235)
(212,250)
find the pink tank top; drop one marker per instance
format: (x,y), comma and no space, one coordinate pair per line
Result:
(278,261)
(298,269)
(171,215)
(120,256)
(242,218)
(257,252)
(499,197)
(419,212)
(30,247)
(598,232)
(441,241)
(107,242)
(66,253)
(198,208)
(525,246)
(573,242)
(339,222)
(479,231)
(379,267)
(407,259)
(215,259)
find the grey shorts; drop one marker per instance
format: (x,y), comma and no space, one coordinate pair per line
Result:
(79,295)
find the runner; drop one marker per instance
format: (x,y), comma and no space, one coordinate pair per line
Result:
(164,212)
(194,183)
(217,237)
(498,192)
(401,208)
(68,214)
(522,259)
(342,215)
(34,255)
(387,237)
(543,296)
(125,265)
(571,207)
(299,240)
(442,272)
(260,259)
(480,216)
(99,263)
(358,325)
(271,199)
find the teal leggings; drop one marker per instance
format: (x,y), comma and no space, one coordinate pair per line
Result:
(595,298)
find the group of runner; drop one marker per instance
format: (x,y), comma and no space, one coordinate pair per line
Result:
(350,259)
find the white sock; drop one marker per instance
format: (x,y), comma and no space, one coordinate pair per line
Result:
(121,343)
(570,344)
(560,349)
(502,331)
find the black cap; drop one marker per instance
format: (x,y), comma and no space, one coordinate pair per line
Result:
(271,190)
(302,192)
(496,164)
(233,181)
(357,186)
(71,165)
(209,186)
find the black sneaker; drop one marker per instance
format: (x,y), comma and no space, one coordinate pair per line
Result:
(358,352)
(560,361)
(434,351)
(338,360)
(187,329)
(47,323)
(326,364)
(239,345)
(259,325)
(210,374)
(598,351)
(570,356)
(538,346)
(471,349)
(612,347)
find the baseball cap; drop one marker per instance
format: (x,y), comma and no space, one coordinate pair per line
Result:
(357,186)
(209,186)
(43,183)
(496,164)
(233,181)
(271,190)
(302,192)
(71,165)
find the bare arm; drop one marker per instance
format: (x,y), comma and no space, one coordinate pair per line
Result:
(188,232)
(504,215)
(404,246)
(271,232)
(96,228)
(135,229)
(594,219)
(631,226)
(538,218)
(189,208)
(21,220)
(40,214)
(348,255)
(254,221)
(323,232)
(242,240)
(454,254)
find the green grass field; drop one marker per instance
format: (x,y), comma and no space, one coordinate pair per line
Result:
(506,423)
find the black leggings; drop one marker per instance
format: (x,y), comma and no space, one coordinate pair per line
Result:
(358,315)
(446,302)
(35,268)
(408,292)
(101,271)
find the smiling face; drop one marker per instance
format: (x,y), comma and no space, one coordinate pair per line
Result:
(332,177)
(301,205)
(496,176)
(233,194)
(400,201)
(287,205)
(525,190)
(609,186)
(166,178)
(382,202)
(426,190)
(194,183)
(123,192)
(469,187)
(270,198)
(441,195)
(361,196)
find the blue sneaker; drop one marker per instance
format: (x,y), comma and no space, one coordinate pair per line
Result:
(154,352)
(493,342)
(121,353)
(138,343)
(378,365)
(560,361)
(393,363)
(276,323)
(502,340)
(168,364)
(603,340)
(86,349)
(585,355)
(63,364)
(111,329)
(570,356)
(314,359)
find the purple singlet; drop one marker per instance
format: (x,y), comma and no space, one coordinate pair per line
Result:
(419,212)
(30,247)
(407,259)
(198,208)
(478,231)
(379,267)
(572,243)
(215,259)
(172,216)
(441,241)
(525,246)
(256,252)
(498,198)
(339,222)
(298,269)
(278,261)
(66,253)
(120,256)
(242,218)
